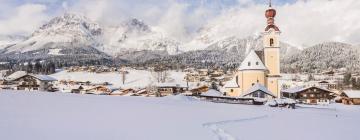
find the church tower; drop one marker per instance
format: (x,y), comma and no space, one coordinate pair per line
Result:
(272,51)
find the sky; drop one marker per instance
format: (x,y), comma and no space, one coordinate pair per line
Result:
(302,22)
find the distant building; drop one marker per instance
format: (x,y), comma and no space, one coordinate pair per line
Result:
(165,89)
(350,97)
(33,82)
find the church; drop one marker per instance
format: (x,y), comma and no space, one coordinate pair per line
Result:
(259,73)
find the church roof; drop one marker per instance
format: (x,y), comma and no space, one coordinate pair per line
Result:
(252,62)
(258,87)
(232,83)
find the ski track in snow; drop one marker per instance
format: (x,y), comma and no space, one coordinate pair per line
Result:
(221,133)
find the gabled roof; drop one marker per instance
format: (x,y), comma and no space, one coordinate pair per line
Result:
(44,77)
(296,90)
(21,74)
(16,75)
(252,62)
(231,84)
(212,93)
(352,93)
(258,87)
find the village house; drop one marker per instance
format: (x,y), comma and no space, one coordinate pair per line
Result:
(350,97)
(32,82)
(203,72)
(192,77)
(309,95)
(199,90)
(99,90)
(165,89)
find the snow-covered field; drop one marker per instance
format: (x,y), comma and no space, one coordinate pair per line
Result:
(60,116)
(135,78)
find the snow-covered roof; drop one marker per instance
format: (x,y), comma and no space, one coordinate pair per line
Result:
(44,77)
(171,85)
(231,84)
(252,62)
(213,93)
(301,88)
(258,87)
(16,75)
(352,93)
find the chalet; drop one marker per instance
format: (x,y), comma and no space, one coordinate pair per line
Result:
(203,72)
(192,77)
(199,90)
(350,97)
(100,90)
(32,82)
(331,85)
(122,92)
(308,95)
(165,89)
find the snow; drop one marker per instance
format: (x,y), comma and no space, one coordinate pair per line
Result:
(134,79)
(213,93)
(254,60)
(231,84)
(44,77)
(352,93)
(16,75)
(59,116)
(55,52)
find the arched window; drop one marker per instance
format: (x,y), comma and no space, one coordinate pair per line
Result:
(271,42)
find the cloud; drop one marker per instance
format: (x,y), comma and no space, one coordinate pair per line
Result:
(302,22)
(25,19)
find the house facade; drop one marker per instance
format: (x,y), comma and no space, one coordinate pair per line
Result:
(34,82)
(350,97)
(308,95)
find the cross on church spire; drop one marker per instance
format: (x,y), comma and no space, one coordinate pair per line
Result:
(269,3)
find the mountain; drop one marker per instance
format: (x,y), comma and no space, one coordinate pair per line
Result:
(324,56)
(75,35)
(134,36)
(228,52)
(10,40)
(69,33)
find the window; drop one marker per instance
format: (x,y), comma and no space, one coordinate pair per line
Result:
(271,42)
(249,63)
(231,90)
(257,63)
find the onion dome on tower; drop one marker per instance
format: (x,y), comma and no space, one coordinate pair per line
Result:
(270,15)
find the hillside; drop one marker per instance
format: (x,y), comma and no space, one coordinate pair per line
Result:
(330,55)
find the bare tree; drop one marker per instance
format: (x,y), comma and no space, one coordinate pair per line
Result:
(123,73)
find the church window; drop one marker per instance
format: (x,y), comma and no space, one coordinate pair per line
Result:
(255,94)
(249,63)
(271,42)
